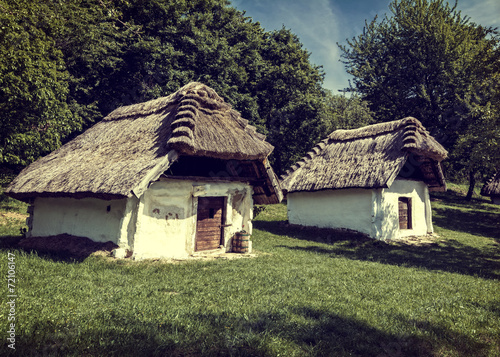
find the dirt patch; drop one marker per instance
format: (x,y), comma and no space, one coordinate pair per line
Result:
(202,257)
(67,244)
(427,240)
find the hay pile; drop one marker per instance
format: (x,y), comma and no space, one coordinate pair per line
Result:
(66,244)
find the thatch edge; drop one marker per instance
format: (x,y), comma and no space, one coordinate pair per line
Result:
(181,142)
(489,189)
(155,173)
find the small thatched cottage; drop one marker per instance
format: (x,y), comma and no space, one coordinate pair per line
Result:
(374,180)
(492,188)
(165,178)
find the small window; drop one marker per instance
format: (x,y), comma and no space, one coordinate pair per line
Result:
(404,205)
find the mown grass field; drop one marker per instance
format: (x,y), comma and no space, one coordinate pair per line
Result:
(309,292)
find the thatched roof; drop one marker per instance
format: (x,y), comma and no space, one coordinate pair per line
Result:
(370,157)
(492,187)
(135,144)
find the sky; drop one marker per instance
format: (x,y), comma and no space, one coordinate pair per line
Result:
(321,24)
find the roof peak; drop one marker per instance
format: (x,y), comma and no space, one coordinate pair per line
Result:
(206,97)
(376,129)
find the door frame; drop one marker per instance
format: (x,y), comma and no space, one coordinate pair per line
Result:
(222,241)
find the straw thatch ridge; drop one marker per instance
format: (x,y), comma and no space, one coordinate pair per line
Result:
(492,186)
(368,157)
(113,157)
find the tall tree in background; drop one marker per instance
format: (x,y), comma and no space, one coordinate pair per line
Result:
(347,112)
(98,55)
(35,115)
(290,98)
(429,61)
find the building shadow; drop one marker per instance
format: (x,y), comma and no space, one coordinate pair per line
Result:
(447,255)
(308,331)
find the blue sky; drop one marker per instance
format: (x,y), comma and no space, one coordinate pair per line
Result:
(320,24)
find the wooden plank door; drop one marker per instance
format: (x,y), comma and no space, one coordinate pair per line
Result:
(209,232)
(404,206)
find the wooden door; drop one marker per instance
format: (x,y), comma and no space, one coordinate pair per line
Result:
(404,206)
(209,230)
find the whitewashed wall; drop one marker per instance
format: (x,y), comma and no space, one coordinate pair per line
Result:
(350,208)
(374,212)
(87,217)
(387,220)
(162,223)
(166,216)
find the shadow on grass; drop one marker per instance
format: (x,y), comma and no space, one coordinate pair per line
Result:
(472,222)
(457,199)
(450,255)
(300,330)
(478,216)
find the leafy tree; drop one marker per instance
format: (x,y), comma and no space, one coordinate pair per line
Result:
(33,87)
(85,58)
(428,61)
(347,112)
(477,151)
(290,98)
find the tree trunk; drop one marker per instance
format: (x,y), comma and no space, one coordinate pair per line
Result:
(472,183)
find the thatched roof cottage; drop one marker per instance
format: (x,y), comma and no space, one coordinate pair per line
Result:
(375,180)
(166,178)
(492,188)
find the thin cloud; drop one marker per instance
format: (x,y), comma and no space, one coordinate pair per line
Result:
(482,12)
(318,24)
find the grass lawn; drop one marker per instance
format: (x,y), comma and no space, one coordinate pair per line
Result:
(310,292)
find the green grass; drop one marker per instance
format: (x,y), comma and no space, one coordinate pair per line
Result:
(11,213)
(310,292)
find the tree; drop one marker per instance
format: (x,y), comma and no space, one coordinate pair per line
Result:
(102,54)
(347,112)
(33,87)
(427,61)
(290,98)
(477,150)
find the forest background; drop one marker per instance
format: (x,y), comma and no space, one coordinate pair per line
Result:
(64,65)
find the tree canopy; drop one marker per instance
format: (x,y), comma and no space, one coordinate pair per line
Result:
(66,64)
(429,61)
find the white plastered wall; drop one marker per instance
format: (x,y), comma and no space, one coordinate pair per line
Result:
(166,216)
(350,208)
(374,212)
(386,225)
(93,218)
